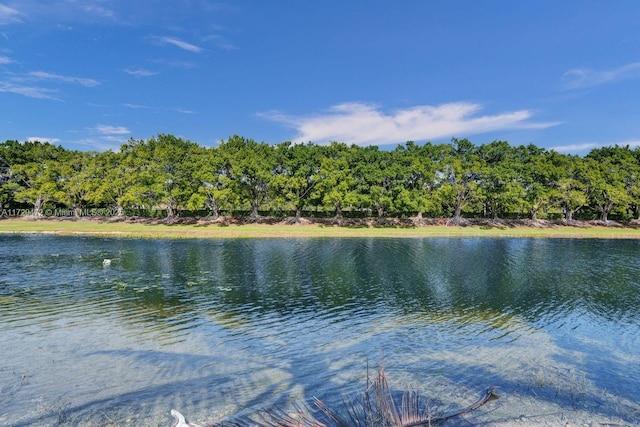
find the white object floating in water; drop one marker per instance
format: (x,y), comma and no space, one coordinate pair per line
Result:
(106,262)
(180,419)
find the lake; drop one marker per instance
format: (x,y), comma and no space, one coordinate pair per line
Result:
(220,328)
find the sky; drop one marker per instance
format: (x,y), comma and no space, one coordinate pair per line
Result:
(91,74)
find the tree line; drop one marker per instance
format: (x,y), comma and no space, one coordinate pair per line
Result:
(173,177)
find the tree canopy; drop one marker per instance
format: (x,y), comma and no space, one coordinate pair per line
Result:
(169,176)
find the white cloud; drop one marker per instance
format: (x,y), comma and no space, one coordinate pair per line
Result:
(140,107)
(184,110)
(9,15)
(366,124)
(43,139)
(19,84)
(99,144)
(5,60)
(575,148)
(175,63)
(148,107)
(588,146)
(220,42)
(181,44)
(43,75)
(139,72)
(99,11)
(111,130)
(28,91)
(582,77)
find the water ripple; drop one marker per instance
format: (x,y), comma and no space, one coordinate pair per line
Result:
(221,327)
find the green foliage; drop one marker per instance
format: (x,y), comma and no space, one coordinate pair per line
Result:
(166,173)
(336,187)
(251,168)
(296,175)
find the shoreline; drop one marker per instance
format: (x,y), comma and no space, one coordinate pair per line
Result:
(267,227)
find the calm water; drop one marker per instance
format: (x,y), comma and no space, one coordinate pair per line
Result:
(217,328)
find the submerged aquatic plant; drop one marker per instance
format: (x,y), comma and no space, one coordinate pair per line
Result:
(376,407)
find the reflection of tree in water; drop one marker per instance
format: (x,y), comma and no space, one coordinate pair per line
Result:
(526,277)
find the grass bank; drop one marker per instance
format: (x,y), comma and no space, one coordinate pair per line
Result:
(308,230)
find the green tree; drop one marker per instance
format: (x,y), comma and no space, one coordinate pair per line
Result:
(163,171)
(112,181)
(11,155)
(538,175)
(611,174)
(501,178)
(570,188)
(174,171)
(297,173)
(77,180)
(376,178)
(633,184)
(460,171)
(40,175)
(336,186)
(251,169)
(212,174)
(416,173)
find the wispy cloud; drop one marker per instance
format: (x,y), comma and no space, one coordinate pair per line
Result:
(366,124)
(103,137)
(180,43)
(42,75)
(575,148)
(220,42)
(184,110)
(43,139)
(5,60)
(110,130)
(102,143)
(9,15)
(149,107)
(588,146)
(140,107)
(577,78)
(62,13)
(175,63)
(139,72)
(29,91)
(26,84)
(99,11)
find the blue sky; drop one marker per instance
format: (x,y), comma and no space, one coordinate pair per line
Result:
(90,74)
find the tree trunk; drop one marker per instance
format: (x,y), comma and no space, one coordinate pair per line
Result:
(171,211)
(338,209)
(568,214)
(37,206)
(605,211)
(213,205)
(460,199)
(254,208)
(457,214)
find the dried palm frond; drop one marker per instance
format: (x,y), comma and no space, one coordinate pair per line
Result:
(376,407)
